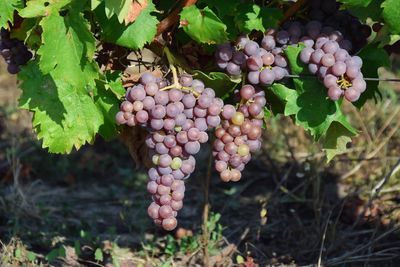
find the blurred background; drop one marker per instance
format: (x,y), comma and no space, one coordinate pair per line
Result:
(291,207)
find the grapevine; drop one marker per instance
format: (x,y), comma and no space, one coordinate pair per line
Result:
(259,68)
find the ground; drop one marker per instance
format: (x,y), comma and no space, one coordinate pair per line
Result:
(291,207)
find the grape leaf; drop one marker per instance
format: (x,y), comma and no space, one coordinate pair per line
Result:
(336,139)
(224,7)
(68,47)
(136,34)
(135,7)
(7,8)
(64,116)
(391,14)
(203,25)
(363,3)
(254,17)
(373,58)
(120,8)
(373,11)
(36,8)
(94,4)
(219,81)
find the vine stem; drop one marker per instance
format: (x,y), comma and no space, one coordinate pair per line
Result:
(172,18)
(293,9)
(205,210)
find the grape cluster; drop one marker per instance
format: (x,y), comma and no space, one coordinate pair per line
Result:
(263,65)
(239,133)
(327,12)
(334,67)
(14,52)
(177,116)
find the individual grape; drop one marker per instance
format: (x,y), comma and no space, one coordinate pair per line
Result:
(295,29)
(204,137)
(161,148)
(352,71)
(223,156)
(175,95)
(157,124)
(176,163)
(238,118)
(268,42)
(163,190)
(330,81)
(254,109)
(243,150)
(176,205)
(254,145)
(221,64)
(279,73)
(175,151)
(339,68)
(254,63)
(334,93)
(234,130)
(220,166)
(119,117)
(209,92)
(307,41)
(228,112)
(165,199)
(282,37)
(161,98)
(328,60)
(316,56)
(330,47)
(247,92)
(233,69)
(142,116)
(253,77)
(193,134)
(281,61)
(239,58)
(165,160)
(148,103)
(198,85)
(137,93)
(268,59)
(147,78)
(305,55)
(267,77)
(313,68)
(151,89)
(359,84)
(241,41)
(254,133)
(235,161)
(251,48)
(158,112)
(167,179)
(213,121)
(313,28)
(235,175)
(226,175)
(153,210)
(192,147)
(352,94)
(225,53)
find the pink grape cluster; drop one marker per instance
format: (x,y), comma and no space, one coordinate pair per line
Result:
(177,117)
(263,65)
(239,133)
(335,68)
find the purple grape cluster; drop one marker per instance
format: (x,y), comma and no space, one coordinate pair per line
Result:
(14,52)
(331,62)
(263,65)
(239,133)
(177,117)
(327,12)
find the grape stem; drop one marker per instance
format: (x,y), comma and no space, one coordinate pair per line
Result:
(176,83)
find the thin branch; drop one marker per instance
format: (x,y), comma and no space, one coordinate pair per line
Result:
(293,9)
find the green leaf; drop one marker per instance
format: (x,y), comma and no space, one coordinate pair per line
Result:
(18,253)
(203,25)
(120,8)
(36,8)
(224,7)
(254,17)
(115,83)
(107,104)
(94,4)
(373,58)
(77,246)
(7,8)
(363,3)
(61,252)
(391,14)
(52,255)
(64,115)
(31,256)
(68,48)
(98,255)
(373,11)
(336,139)
(116,261)
(239,259)
(219,81)
(136,34)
